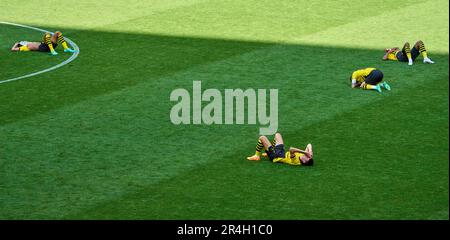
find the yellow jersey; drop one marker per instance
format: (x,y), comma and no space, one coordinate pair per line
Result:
(393,55)
(360,75)
(24,48)
(288,160)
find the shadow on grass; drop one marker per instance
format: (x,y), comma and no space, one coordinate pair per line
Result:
(112,61)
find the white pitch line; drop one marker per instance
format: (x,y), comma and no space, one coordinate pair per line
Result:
(74,55)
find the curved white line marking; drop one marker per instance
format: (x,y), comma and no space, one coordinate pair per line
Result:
(74,55)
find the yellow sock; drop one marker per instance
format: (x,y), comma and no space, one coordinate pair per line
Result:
(50,46)
(64,44)
(259,147)
(369,87)
(408,54)
(423,50)
(62,41)
(49,43)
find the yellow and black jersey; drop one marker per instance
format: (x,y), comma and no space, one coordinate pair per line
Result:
(400,55)
(24,48)
(393,55)
(361,74)
(295,160)
(371,76)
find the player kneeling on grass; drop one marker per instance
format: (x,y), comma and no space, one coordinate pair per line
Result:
(369,79)
(407,54)
(276,153)
(50,42)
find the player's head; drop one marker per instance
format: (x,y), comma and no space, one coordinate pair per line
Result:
(306,161)
(309,162)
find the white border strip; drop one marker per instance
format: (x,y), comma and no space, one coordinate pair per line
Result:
(74,55)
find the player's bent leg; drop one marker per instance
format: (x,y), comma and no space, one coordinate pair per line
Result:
(420,48)
(373,80)
(49,43)
(415,50)
(371,87)
(63,42)
(278,139)
(55,37)
(263,142)
(273,144)
(407,51)
(418,44)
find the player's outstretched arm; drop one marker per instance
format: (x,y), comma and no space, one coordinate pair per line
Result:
(15,48)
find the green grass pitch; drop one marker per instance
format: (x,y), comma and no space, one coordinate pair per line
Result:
(93,139)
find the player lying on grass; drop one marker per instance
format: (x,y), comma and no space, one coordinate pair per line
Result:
(407,54)
(369,79)
(276,153)
(50,42)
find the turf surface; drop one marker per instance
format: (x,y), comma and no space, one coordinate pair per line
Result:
(93,139)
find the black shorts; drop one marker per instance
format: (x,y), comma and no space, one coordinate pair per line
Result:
(44,47)
(277,152)
(401,56)
(374,77)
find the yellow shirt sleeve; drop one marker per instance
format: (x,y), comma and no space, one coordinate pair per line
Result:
(24,49)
